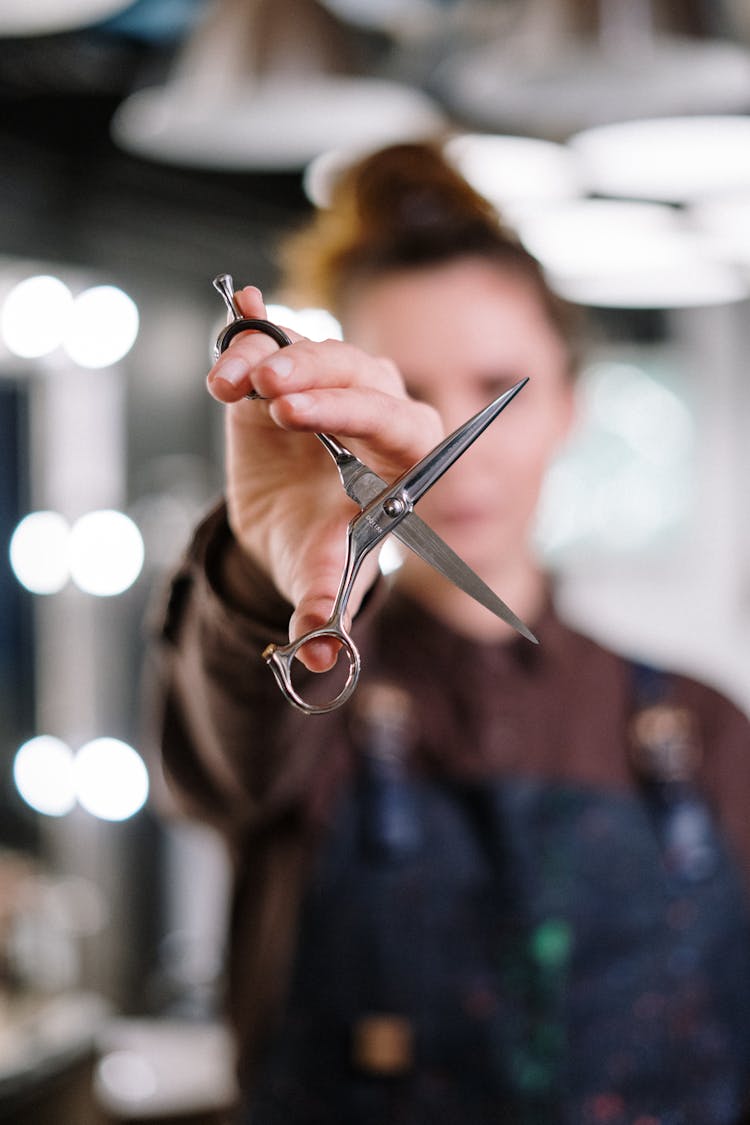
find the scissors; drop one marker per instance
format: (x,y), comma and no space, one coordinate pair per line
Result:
(385,509)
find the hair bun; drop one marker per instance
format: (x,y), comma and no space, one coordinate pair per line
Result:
(412,186)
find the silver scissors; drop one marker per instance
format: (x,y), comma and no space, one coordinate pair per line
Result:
(385,509)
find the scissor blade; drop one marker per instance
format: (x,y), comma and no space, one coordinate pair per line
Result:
(419,536)
(415,481)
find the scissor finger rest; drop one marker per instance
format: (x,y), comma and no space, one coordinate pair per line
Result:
(280,657)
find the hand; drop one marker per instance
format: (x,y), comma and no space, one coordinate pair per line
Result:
(286,506)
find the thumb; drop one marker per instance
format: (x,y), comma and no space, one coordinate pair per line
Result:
(314,612)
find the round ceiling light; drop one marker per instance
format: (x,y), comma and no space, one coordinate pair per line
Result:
(672,160)
(624,254)
(516,174)
(46,17)
(725,221)
(277,123)
(501,86)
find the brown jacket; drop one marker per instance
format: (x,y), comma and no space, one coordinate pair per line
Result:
(236,755)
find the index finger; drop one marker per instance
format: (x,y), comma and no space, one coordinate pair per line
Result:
(244,346)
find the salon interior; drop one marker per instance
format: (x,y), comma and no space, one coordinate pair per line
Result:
(149,145)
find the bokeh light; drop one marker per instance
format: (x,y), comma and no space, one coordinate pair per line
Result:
(391,556)
(628,254)
(111,779)
(315,324)
(39,552)
(43,773)
(517,174)
(34,316)
(102,327)
(126,1076)
(625,482)
(105,553)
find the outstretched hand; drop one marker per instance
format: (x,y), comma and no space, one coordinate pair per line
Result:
(285,502)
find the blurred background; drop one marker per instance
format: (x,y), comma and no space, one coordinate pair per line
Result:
(146,147)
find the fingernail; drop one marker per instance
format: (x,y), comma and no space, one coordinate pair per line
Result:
(299,402)
(282,365)
(232,370)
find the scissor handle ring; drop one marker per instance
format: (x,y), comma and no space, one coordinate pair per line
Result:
(247,324)
(279,659)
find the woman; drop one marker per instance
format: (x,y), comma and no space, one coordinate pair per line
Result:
(505,882)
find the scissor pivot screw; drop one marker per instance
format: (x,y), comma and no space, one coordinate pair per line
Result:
(394,506)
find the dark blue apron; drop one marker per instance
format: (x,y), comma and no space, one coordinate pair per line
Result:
(519,951)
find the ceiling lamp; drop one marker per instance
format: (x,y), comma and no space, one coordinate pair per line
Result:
(547,79)
(47,17)
(673,160)
(623,254)
(399,17)
(264,84)
(725,221)
(323,170)
(516,174)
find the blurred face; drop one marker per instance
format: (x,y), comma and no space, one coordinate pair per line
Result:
(462,333)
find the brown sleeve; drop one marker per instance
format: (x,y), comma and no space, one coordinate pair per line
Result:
(231,749)
(225,738)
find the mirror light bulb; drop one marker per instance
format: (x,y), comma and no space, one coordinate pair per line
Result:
(102,328)
(106,553)
(39,552)
(111,779)
(43,775)
(35,315)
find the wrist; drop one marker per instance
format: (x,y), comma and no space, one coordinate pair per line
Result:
(242,584)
